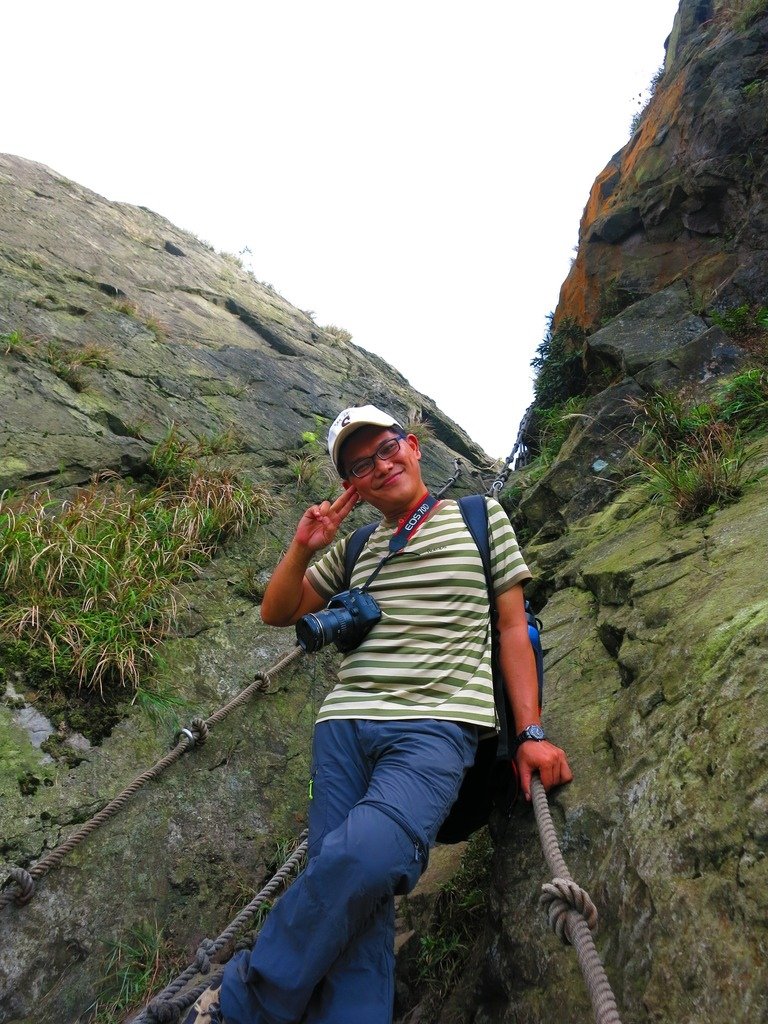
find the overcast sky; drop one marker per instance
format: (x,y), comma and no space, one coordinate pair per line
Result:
(413,171)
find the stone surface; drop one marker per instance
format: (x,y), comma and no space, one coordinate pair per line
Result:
(656,641)
(191,339)
(573,486)
(711,354)
(646,331)
(684,200)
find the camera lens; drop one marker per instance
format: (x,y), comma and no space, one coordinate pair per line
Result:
(346,622)
(313,632)
(309,634)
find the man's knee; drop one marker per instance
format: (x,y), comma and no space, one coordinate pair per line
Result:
(374,853)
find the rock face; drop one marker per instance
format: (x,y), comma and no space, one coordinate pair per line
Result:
(181,334)
(685,200)
(657,649)
(673,234)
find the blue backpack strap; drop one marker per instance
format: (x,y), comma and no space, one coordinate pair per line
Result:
(355,544)
(474,511)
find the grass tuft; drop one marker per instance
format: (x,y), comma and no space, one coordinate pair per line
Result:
(337,334)
(743,398)
(310,467)
(748,11)
(695,456)
(136,967)
(91,584)
(14,341)
(67,362)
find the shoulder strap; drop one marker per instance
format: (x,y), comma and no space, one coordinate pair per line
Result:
(355,544)
(474,511)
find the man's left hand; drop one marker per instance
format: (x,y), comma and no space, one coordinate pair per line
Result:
(546,759)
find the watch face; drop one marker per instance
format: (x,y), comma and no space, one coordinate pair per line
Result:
(533,732)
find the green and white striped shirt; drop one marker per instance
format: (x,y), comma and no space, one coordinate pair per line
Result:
(430,654)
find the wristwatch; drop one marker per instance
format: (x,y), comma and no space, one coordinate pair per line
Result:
(532,732)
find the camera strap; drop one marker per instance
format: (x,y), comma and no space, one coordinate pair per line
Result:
(407,527)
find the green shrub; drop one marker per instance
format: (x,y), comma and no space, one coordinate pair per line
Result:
(558,364)
(637,117)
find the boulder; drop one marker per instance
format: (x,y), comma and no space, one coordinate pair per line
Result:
(646,331)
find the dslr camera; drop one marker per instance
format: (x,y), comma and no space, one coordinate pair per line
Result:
(346,621)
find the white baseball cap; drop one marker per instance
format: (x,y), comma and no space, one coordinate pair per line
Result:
(350,420)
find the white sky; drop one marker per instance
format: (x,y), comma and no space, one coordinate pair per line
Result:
(413,171)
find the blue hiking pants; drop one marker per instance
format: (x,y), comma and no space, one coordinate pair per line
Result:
(380,791)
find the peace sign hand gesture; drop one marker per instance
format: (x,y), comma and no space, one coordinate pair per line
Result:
(320,523)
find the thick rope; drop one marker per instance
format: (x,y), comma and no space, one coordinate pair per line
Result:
(19,886)
(572,913)
(168,1005)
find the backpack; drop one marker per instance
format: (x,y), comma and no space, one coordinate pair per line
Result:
(493,776)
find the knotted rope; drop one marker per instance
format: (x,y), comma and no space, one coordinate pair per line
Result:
(572,913)
(168,1005)
(19,886)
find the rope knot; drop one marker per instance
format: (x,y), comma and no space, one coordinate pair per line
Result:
(200,729)
(162,1011)
(562,895)
(262,678)
(24,883)
(205,951)
(196,733)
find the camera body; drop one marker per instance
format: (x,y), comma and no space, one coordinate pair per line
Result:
(346,620)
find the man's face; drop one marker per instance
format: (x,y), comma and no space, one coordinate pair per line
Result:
(394,485)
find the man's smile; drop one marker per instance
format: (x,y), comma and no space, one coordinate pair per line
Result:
(390,478)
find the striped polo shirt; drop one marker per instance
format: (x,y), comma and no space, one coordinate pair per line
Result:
(430,654)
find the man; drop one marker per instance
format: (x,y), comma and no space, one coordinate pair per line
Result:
(395,736)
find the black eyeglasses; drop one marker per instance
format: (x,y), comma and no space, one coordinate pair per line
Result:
(385,450)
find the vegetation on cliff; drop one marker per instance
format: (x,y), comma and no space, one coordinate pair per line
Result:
(88,586)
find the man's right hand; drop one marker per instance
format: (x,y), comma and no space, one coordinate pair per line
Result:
(289,594)
(319,525)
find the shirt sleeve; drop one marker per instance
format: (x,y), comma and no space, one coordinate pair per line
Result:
(508,566)
(327,574)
